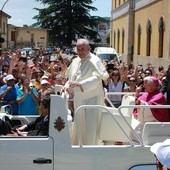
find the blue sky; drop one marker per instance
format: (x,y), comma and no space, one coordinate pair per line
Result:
(22,12)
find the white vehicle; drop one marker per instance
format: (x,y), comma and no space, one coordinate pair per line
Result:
(56,152)
(106,53)
(26,51)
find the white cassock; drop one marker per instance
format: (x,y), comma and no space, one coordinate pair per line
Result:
(89,72)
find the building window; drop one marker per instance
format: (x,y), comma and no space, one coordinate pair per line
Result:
(123,39)
(32,37)
(114,39)
(161,37)
(13,36)
(119,2)
(118,40)
(4,28)
(115,3)
(148,40)
(139,39)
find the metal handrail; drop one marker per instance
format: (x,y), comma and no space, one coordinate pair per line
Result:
(116,93)
(121,114)
(113,116)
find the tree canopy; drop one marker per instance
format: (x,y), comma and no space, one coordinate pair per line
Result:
(67,20)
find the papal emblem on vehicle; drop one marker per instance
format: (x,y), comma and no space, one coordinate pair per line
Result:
(59,124)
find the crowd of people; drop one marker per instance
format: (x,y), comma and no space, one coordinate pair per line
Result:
(25,80)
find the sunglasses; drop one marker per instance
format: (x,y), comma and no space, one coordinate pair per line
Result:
(132,80)
(11,80)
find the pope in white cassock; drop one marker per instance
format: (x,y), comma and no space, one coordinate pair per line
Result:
(85,76)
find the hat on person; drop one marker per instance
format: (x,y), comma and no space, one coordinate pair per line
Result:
(31,84)
(9,77)
(44,77)
(132,78)
(44,82)
(162,152)
(58,76)
(155,81)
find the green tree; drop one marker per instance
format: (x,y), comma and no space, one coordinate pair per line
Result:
(67,19)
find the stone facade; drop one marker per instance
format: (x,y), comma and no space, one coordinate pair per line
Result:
(140,31)
(20,37)
(3,28)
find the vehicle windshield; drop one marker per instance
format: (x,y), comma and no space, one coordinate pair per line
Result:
(26,49)
(108,57)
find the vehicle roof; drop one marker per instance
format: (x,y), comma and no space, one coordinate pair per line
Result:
(104,50)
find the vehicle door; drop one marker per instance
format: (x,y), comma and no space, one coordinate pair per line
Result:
(26,153)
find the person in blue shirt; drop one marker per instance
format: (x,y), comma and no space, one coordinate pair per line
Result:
(8,93)
(27,98)
(39,126)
